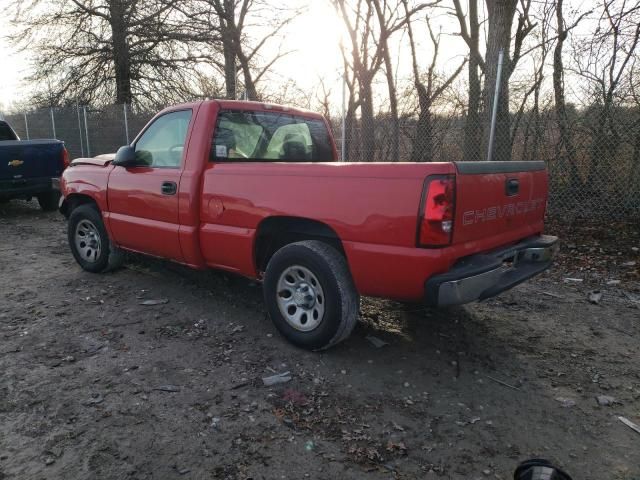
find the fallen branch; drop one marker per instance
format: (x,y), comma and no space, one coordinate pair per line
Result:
(502,383)
(630,424)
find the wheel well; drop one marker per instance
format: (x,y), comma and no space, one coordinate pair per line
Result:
(275,232)
(73,201)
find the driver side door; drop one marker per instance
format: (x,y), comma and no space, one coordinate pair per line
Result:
(143,199)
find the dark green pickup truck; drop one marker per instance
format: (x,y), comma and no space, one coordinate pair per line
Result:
(30,168)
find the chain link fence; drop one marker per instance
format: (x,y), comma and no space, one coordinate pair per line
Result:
(594,170)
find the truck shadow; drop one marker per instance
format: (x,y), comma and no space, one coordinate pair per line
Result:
(22,209)
(413,334)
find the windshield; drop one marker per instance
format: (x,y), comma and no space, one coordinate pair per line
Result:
(266,136)
(6,133)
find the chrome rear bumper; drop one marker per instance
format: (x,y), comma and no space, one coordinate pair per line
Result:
(482,276)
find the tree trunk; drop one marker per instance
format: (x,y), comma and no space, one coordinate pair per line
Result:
(249,85)
(393,97)
(120,47)
(229,54)
(393,104)
(566,135)
(368,135)
(472,127)
(500,13)
(422,150)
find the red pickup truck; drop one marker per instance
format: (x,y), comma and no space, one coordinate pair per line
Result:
(255,189)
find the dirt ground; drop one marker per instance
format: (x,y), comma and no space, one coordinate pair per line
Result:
(96,385)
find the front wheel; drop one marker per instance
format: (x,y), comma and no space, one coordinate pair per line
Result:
(310,295)
(89,241)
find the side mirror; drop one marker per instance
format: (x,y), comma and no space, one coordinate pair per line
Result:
(126,157)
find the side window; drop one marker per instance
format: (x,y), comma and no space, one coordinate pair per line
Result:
(162,144)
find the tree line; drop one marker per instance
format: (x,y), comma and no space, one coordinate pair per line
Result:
(156,52)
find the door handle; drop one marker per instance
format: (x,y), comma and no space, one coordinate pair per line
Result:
(512,187)
(169,188)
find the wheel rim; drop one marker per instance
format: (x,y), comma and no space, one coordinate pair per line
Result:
(88,243)
(300,298)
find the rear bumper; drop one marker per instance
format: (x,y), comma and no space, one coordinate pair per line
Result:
(27,187)
(482,276)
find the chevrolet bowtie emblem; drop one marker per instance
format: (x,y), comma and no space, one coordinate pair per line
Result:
(15,163)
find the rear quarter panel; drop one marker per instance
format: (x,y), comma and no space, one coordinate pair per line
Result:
(366,204)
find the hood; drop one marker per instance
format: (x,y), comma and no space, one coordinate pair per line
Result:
(99,161)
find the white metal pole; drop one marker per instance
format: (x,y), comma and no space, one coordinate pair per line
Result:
(343,138)
(26,125)
(86,130)
(494,113)
(126,122)
(80,130)
(53,123)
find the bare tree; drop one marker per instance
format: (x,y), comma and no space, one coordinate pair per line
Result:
(501,14)
(471,35)
(390,21)
(370,24)
(566,143)
(102,51)
(364,61)
(234,24)
(604,61)
(428,91)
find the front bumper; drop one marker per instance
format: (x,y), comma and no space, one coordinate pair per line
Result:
(485,275)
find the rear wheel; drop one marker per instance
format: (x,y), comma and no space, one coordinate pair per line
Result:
(49,200)
(310,295)
(89,242)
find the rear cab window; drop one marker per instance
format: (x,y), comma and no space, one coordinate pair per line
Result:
(244,136)
(6,133)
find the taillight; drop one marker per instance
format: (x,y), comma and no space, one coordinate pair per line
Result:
(65,158)
(436,213)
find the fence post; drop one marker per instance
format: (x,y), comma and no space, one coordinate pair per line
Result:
(80,130)
(53,123)
(26,125)
(343,136)
(494,113)
(126,122)
(86,130)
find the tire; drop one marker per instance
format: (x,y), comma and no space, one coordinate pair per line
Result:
(49,200)
(311,278)
(89,242)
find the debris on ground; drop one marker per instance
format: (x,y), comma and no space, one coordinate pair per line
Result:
(151,303)
(504,384)
(566,402)
(605,400)
(633,426)
(276,379)
(167,388)
(551,294)
(95,399)
(376,342)
(595,297)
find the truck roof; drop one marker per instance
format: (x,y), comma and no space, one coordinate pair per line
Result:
(253,106)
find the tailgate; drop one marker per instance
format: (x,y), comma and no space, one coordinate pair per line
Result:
(497,199)
(30,159)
